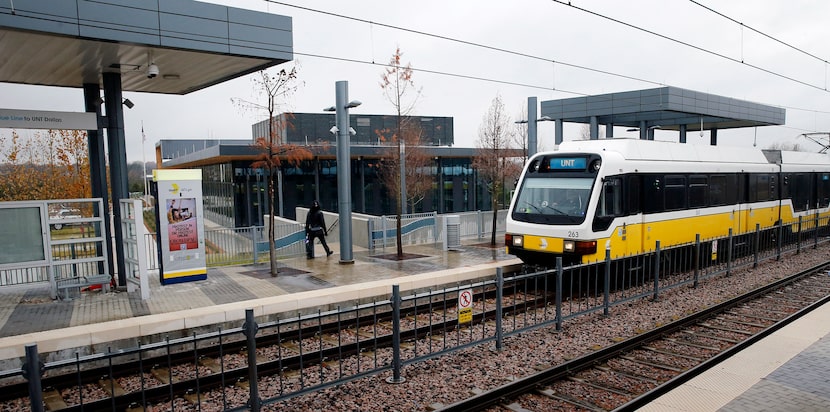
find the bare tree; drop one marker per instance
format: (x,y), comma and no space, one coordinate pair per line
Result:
(491,160)
(414,160)
(273,150)
(790,147)
(397,85)
(585,132)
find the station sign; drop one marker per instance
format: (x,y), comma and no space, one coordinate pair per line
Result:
(465,306)
(45,120)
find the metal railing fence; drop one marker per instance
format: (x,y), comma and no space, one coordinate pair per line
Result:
(249,245)
(353,341)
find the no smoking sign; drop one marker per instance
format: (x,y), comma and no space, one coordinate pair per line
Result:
(465,306)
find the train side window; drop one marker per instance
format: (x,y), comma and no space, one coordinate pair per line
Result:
(632,195)
(675,192)
(801,191)
(698,191)
(762,187)
(824,190)
(717,190)
(736,189)
(652,199)
(611,198)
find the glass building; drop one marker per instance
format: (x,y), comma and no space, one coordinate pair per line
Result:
(236,194)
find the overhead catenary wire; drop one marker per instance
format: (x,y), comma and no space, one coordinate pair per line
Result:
(690,45)
(535,57)
(467,42)
(773,38)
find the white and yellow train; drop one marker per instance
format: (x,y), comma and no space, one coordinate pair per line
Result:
(623,195)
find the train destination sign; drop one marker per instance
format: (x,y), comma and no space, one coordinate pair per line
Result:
(568,163)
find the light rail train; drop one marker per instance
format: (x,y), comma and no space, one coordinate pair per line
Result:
(623,195)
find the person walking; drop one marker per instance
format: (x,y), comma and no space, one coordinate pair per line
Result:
(315,227)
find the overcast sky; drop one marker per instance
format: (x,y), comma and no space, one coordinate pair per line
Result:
(522,40)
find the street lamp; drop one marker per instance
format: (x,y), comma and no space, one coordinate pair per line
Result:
(344,194)
(531,125)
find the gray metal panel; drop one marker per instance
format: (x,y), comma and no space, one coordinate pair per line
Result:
(669,107)
(199,26)
(261,34)
(194,44)
(28,15)
(119,20)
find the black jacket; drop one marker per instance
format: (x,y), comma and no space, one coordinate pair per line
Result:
(315,219)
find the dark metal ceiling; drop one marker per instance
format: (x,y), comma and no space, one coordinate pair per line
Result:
(194,45)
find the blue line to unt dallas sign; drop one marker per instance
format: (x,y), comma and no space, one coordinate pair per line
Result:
(43,119)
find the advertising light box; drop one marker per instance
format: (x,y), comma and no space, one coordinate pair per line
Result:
(181,226)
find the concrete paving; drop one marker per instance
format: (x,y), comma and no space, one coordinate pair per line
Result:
(790,370)
(27,309)
(786,371)
(98,319)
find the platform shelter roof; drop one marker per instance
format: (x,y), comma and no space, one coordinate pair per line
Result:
(194,45)
(666,107)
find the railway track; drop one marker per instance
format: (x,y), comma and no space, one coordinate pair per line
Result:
(632,373)
(303,355)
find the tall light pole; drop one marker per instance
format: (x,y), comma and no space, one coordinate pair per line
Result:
(531,126)
(344,186)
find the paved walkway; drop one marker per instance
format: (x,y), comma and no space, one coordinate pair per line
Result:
(787,371)
(28,309)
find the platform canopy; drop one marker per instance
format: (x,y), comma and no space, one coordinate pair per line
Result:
(670,108)
(153,46)
(194,45)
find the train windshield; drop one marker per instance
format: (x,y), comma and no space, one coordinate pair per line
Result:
(551,199)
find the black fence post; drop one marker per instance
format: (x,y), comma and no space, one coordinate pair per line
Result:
(756,245)
(730,244)
(32,371)
(607,290)
(697,260)
(815,231)
(396,336)
(499,297)
(559,293)
(657,272)
(780,240)
(254,240)
(798,238)
(249,329)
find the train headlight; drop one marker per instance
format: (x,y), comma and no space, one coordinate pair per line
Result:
(518,241)
(581,247)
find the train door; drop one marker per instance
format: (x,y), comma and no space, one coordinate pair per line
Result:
(619,204)
(652,203)
(744,216)
(742,221)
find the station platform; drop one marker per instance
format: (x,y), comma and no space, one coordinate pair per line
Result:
(95,319)
(789,370)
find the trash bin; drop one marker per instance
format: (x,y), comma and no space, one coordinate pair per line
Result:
(452,232)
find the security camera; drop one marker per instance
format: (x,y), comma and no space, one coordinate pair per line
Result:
(152,71)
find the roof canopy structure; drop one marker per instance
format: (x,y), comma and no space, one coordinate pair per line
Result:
(169,46)
(194,45)
(669,108)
